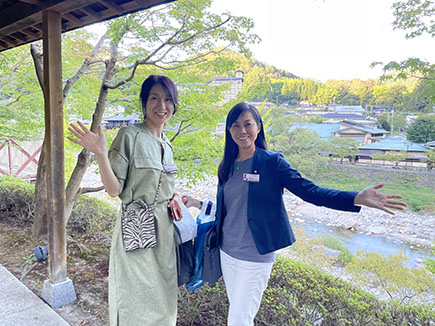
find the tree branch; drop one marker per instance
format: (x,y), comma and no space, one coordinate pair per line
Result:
(17,99)
(165,43)
(180,129)
(38,62)
(86,190)
(85,65)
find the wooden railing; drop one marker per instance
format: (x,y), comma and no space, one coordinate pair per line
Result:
(12,149)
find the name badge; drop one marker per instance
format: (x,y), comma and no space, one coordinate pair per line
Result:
(170,168)
(251,177)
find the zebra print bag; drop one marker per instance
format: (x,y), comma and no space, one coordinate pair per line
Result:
(138,224)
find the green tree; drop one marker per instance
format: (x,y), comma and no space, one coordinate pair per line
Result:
(389,272)
(416,18)
(325,95)
(344,147)
(21,99)
(305,151)
(395,157)
(421,130)
(385,121)
(177,40)
(429,263)
(430,159)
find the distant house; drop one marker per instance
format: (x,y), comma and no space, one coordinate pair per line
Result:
(235,82)
(336,117)
(430,145)
(380,109)
(120,120)
(360,132)
(267,105)
(393,144)
(346,109)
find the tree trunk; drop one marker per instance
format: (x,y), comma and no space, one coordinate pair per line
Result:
(84,158)
(39,227)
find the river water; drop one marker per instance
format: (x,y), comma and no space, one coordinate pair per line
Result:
(367,243)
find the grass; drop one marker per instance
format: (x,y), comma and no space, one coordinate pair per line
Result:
(419,198)
(345,256)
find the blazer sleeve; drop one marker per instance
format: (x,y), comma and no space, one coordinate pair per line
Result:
(307,190)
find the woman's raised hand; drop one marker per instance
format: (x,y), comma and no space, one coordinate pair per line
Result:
(96,143)
(371,198)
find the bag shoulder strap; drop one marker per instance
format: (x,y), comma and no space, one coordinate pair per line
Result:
(156,198)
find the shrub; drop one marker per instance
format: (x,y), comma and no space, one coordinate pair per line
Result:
(301,295)
(90,214)
(389,272)
(17,207)
(429,263)
(206,306)
(17,203)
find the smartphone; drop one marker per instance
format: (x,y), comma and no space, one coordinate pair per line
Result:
(175,215)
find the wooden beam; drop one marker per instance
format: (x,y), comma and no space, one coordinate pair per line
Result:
(111,4)
(91,12)
(33,2)
(53,98)
(21,36)
(28,31)
(73,18)
(149,3)
(9,40)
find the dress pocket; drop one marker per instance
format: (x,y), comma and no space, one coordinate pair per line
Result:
(147,163)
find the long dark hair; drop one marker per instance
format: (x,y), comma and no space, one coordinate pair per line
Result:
(167,84)
(231,149)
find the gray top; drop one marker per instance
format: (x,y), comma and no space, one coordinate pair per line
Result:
(237,240)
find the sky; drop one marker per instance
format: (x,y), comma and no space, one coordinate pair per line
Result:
(327,39)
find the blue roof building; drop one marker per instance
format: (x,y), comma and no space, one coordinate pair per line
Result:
(393,144)
(364,134)
(324,130)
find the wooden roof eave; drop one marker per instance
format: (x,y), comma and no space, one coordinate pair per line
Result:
(21,21)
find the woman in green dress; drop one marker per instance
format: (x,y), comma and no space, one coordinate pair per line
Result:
(142,283)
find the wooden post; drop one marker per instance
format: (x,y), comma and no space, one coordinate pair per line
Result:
(9,156)
(51,23)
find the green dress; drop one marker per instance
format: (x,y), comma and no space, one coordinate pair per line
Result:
(143,283)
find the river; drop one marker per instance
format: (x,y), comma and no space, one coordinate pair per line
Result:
(355,241)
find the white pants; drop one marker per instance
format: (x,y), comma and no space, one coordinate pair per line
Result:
(245,282)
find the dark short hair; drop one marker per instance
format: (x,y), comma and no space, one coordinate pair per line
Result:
(231,149)
(167,84)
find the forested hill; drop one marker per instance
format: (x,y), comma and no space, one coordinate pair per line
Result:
(266,82)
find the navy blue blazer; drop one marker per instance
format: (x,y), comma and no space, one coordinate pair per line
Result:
(267,216)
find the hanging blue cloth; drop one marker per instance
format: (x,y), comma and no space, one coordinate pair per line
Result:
(205,221)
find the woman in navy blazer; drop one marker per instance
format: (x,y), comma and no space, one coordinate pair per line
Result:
(251,218)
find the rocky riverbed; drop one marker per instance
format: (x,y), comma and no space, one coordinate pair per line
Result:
(407,226)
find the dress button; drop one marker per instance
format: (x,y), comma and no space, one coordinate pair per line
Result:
(251,221)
